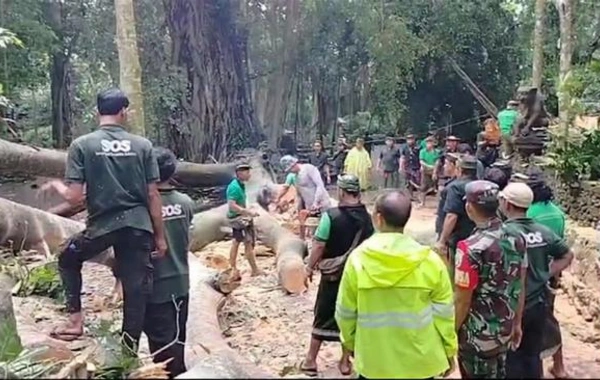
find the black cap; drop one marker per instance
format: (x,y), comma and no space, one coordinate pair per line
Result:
(468,162)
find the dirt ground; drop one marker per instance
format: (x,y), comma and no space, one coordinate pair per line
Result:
(259,321)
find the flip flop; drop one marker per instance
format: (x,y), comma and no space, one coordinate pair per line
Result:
(310,372)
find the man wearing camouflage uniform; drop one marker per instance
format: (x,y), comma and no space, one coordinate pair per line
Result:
(491,266)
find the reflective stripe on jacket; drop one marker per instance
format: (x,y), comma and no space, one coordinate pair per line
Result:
(395,309)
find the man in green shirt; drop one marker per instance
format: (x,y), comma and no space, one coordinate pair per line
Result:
(506,120)
(240,219)
(428,158)
(546,212)
(124,208)
(167,310)
(547,255)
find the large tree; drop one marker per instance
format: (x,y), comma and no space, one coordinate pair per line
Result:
(130,72)
(215,114)
(538,44)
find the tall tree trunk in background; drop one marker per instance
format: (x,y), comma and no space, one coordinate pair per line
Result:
(60,76)
(215,116)
(537,75)
(130,71)
(280,81)
(566,12)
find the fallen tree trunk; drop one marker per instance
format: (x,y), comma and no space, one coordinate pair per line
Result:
(208,226)
(27,228)
(290,250)
(10,341)
(207,353)
(23,159)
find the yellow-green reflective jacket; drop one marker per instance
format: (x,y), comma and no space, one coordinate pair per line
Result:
(395,309)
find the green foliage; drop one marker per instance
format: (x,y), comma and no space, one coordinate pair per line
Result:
(577,157)
(24,365)
(43,280)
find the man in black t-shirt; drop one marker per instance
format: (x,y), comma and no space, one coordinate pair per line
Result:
(320,159)
(456,225)
(410,164)
(124,208)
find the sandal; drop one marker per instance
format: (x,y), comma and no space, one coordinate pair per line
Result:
(310,372)
(66,334)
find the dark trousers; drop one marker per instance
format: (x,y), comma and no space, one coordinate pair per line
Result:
(525,362)
(165,326)
(132,248)
(391,180)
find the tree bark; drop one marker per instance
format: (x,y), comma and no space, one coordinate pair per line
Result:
(130,72)
(23,159)
(60,77)
(9,336)
(290,250)
(215,115)
(566,13)
(537,75)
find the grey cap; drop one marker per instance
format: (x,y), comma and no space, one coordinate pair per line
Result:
(483,193)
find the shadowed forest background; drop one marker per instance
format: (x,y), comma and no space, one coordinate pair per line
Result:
(209,77)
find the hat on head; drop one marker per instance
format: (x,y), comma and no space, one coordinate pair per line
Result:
(517,194)
(483,193)
(242,166)
(452,138)
(411,136)
(468,162)
(513,103)
(429,138)
(349,183)
(390,138)
(288,162)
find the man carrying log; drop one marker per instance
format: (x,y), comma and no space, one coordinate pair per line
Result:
(240,219)
(312,195)
(340,230)
(167,310)
(124,212)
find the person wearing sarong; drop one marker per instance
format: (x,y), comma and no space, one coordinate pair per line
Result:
(410,164)
(358,163)
(340,230)
(545,212)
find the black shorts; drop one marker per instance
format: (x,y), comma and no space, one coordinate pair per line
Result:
(244,234)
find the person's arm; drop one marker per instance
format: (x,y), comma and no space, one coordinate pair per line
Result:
(346,306)
(443,311)
(233,196)
(466,279)
(155,202)
(321,192)
(321,236)
(327,168)
(75,176)
(290,180)
(379,163)
(561,254)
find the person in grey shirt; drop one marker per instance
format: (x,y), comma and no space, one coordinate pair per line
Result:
(389,164)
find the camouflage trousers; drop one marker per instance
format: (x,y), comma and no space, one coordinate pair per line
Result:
(473,366)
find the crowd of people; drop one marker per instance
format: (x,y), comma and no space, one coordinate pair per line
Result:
(480,297)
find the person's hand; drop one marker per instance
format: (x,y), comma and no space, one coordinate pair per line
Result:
(160,249)
(452,363)
(54,185)
(441,248)
(516,336)
(309,273)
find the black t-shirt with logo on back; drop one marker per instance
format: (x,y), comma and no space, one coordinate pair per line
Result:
(116,167)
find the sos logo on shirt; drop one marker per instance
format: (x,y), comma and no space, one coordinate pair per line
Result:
(115,148)
(534,239)
(172,211)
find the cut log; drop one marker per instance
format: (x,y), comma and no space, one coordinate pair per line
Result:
(290,251)
(207,354)
(27,228)
(208,226)
(23,159)
(10,341)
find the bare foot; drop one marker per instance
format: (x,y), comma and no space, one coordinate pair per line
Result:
(68,332)
(559,374)
(309,368)
(256,273)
